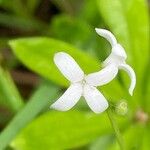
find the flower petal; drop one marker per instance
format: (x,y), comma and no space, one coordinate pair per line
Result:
(95,99)
(68,67)
(69,98)
(102,77)
(132,75)
(107,35)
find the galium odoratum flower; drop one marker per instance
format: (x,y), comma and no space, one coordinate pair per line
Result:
(116,59)
(81,85)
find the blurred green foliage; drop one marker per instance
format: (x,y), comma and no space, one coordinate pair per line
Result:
(68,26)
(68,127)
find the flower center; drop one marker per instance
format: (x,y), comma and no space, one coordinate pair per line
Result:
(83,82)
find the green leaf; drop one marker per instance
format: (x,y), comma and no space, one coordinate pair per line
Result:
(38,53)
(9,95)
(41,98)
(69,129)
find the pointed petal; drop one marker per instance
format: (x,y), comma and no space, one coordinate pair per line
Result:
(69,98)
(102,77)
(68,67)
(95,99)
(107,35)
(132,75)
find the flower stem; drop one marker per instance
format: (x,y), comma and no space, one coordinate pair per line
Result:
(116,129)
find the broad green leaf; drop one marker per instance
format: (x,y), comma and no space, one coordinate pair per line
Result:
(9,95)
(37,54)
(69,129)
(41,98)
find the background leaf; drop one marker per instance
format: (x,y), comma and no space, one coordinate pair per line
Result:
(65,128)
(40,53)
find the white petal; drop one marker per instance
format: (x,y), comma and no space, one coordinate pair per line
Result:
(132,75)
(102,77)
(68,67)
(107,35)
(95,99)
(119,51)
(69,98)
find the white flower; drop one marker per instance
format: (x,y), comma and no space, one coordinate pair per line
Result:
(117,58)
(85,85)
(82,85)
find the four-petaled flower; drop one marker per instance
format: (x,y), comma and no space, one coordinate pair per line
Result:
(80,85)
(85,85)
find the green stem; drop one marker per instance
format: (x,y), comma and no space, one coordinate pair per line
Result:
(116,129)
(9,92)
(36,104)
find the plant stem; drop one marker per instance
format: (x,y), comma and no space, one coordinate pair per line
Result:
(9,92)
(116,129)
(36,104)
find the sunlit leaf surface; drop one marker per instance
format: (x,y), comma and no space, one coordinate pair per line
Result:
(62,131)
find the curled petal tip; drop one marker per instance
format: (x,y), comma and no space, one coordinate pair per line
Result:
(107,35)
(132,75)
